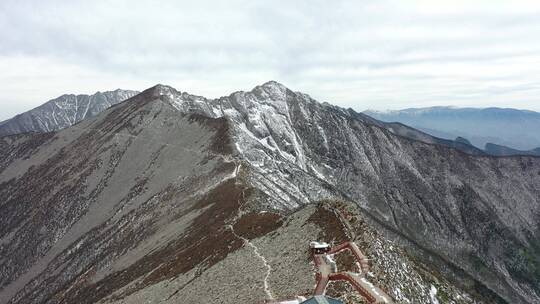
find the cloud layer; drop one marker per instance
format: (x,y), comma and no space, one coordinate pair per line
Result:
(359,54)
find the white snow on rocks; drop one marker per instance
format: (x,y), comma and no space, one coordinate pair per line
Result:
(433,295)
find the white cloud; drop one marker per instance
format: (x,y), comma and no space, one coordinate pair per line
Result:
(359,54)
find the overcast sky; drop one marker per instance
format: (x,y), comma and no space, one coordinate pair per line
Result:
(359,54)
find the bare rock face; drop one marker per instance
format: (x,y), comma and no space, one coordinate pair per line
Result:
(63,112)
(171,197)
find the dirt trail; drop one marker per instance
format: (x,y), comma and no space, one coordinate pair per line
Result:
(267,289)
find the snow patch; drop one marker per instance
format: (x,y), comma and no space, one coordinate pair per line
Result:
(433,295)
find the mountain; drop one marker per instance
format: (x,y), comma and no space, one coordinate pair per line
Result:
(499,150)
(402,130)
(507,127)
(459,143)
(63,112)
(172,197)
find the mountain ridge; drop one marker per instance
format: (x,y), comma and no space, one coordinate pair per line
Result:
(502,126)
(277,151)
(63,111)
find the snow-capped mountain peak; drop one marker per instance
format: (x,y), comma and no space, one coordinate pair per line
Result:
(63,112)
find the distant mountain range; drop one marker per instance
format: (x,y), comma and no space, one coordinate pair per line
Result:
(403,130)
(515,131)
(63,111)
(498,150)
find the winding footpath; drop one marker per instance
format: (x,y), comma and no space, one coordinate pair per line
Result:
(262,258)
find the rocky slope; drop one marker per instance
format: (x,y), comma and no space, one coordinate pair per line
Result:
(63,112)
(174,196)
